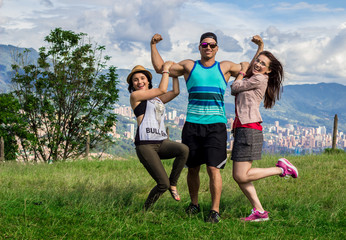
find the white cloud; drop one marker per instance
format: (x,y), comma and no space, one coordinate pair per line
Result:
(342,25)
(311,48)
(284,6)
(133,23)
(309,59)
(47,3)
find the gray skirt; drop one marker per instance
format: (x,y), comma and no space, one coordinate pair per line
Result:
(247,144)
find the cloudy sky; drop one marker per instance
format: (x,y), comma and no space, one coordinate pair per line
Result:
(309,37)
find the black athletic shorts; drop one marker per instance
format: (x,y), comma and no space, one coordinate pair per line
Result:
(207,144)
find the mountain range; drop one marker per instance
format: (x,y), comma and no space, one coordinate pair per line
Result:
(308,105)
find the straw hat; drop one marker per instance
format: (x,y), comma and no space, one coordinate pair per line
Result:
(138,69)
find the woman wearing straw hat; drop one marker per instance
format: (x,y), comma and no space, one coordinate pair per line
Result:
(152,143)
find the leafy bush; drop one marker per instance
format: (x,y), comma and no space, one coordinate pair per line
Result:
(333,151)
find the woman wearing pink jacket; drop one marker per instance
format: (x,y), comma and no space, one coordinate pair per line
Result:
(262,79)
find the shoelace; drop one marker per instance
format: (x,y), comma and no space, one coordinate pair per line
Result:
(252,212)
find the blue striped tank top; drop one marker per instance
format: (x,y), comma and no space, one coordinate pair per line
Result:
(206,87)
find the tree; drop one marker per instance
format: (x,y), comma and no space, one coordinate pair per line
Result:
(66,95)
(11,125)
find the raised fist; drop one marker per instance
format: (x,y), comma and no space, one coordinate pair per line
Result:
(257,40)
(156,38)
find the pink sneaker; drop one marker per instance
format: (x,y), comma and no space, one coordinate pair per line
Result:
(288,168)
(256,216)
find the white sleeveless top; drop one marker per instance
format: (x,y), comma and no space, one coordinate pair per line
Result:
(152,128)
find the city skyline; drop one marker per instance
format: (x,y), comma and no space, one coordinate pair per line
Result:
(278,139)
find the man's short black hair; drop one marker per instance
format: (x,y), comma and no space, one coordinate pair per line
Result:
(208,35)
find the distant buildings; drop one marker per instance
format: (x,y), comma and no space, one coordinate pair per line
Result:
(291,139)
(125,111)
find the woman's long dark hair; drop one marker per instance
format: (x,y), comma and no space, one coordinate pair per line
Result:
(131,88)
(275,80)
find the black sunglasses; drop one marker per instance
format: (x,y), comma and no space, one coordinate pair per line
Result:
(205,45)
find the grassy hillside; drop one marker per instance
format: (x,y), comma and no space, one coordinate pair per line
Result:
(103,200)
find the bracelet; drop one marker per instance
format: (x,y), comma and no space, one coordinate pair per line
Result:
(165,72)
(242,73)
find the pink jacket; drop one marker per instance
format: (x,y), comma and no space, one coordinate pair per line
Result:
(250,92)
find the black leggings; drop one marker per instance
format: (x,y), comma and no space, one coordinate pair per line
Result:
(150,156)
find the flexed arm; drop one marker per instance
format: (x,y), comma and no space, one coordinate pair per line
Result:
(156,58)
(176,70)
(141,95)
(231,69)
(259,42)
(170,95)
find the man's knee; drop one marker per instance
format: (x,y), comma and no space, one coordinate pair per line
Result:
(193,170)
(213,171)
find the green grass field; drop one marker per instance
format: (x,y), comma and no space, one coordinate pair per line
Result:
(104,200)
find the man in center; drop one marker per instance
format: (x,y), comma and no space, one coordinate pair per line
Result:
(204,131)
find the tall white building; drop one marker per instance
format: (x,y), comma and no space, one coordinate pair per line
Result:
(174,114)
(323,130)
(131,129)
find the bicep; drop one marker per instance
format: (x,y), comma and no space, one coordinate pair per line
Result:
(176,70)
(179,69)
(235,69)
(231,68)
